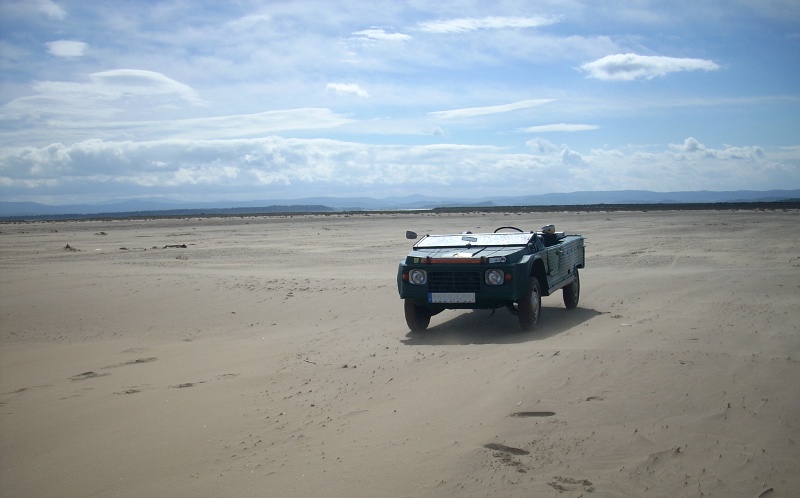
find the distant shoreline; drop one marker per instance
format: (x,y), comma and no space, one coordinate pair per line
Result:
(693,206)
(288,212)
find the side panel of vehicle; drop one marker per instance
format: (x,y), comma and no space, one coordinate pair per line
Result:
(561,260)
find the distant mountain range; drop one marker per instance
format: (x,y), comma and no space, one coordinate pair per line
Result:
(17,210)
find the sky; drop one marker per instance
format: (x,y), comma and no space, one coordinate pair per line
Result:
(266,100)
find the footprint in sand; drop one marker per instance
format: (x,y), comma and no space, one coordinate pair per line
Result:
(192,384)
(562,484)
(505,456)
(137,361)
(532,414)
(506,449)
(140,360)
(185,384)
(135,350)
(88,375)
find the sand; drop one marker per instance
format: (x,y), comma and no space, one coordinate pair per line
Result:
(270,357)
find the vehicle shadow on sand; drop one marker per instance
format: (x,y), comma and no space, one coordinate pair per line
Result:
(484,327)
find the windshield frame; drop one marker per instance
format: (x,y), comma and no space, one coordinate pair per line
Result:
(519,239)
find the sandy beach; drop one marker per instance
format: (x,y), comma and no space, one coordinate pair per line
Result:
(268,356)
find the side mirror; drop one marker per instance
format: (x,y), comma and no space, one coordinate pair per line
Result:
(411,235)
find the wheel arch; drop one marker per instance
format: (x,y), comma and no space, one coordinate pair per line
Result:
(538,270)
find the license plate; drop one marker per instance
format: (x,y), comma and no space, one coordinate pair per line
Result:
(451,297)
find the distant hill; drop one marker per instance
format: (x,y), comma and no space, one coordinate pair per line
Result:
(647,197)
(10,211)
(169,207)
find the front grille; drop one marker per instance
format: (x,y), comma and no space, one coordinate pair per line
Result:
(454,281)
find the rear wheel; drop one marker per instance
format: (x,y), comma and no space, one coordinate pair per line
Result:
(417,317)
(572,292)
(530,306)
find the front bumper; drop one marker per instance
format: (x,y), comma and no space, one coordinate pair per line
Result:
(460,286)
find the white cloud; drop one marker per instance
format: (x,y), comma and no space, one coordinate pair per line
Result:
(379,34)
(474,24)
(123,82)
(12,11)
(67,48)
(51,9)
(558,127)
(258,124)
(541,145)
(346,89)
(691,149)
(106,94)
(571,158)
(482,111)
(248,22)
(627,67)
(206,128)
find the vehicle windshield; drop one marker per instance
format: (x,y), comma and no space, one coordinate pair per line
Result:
(474,239)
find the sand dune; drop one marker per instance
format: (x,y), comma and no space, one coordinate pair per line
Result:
(270,357)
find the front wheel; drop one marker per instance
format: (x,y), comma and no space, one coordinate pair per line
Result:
(530,306)
(417,317)
(572,292)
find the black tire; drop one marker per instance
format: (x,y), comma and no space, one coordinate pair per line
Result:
(530,306)
(572,293)
(417,317)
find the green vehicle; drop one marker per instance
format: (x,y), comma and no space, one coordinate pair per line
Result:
(509,268)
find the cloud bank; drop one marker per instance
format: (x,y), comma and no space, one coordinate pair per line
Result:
(279,167)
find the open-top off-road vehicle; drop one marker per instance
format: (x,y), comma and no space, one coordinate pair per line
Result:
(508,268)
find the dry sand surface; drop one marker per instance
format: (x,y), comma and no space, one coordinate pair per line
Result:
(270,357)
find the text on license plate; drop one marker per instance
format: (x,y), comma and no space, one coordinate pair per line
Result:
(451,297)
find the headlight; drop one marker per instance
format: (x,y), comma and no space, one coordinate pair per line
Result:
(494,277)
(417,277)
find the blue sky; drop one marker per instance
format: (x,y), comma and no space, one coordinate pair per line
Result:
(243,100)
